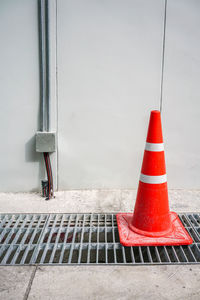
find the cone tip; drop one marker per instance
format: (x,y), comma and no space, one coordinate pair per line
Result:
(154,134)
(155,112)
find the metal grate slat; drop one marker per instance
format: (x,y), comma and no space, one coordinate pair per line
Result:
(89,240)
(57,239)
(149,255)
(73,240)
(81,241)
(183,253)
(157,254)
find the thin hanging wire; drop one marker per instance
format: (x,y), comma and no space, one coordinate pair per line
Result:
(163,56)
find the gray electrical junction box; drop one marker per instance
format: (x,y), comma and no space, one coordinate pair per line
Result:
(45,141)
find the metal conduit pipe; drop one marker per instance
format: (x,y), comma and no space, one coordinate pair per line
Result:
(42,58)
(45,140)
(47,48)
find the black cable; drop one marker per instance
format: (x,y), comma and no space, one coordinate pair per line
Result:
(49,193)
(47,170)
(50,174)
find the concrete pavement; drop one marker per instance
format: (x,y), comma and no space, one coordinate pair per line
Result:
(100,282)
(83,201)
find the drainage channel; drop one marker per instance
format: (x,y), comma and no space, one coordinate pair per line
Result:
(60,239)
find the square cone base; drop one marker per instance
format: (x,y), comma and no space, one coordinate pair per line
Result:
(178,236)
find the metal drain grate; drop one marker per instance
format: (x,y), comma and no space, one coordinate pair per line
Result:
(84,239)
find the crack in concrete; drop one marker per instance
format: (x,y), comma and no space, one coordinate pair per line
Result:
(28,289)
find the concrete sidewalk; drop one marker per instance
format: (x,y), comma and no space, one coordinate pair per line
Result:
(100,282)
(97,282)
(87,201)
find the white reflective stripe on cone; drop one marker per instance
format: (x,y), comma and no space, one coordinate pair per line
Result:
(157,147)
(153,179)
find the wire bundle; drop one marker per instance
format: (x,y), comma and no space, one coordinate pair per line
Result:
(49,193)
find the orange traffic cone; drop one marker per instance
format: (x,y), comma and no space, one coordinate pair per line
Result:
(152,224)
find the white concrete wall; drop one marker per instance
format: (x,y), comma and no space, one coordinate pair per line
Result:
(109,56)
(109,70)
(181,93)
(19,94)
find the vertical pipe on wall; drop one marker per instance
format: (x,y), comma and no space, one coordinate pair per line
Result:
(47,35)
(42,57)
(44,48)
